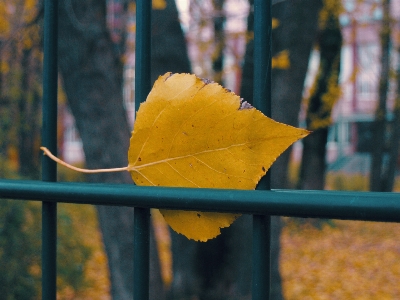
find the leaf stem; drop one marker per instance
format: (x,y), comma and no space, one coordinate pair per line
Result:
(61,162)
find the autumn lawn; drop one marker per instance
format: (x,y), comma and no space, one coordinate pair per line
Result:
(352,260)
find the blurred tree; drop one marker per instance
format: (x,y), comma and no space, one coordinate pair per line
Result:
(378,177)
(221,268)
(324,94)
(20,93)
(219,40)
(19,252)
(296,34)
(91,70)
(20,82)
(169,52)
(395,137)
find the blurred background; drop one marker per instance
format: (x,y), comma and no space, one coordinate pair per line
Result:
(336,71)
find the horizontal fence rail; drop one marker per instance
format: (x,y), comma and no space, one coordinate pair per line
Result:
(365,206)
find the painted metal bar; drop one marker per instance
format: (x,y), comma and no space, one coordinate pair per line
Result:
(49,140)
(366,206)
(262,100)
(142,214)
(261,256)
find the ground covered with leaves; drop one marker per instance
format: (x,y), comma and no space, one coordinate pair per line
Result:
(340,260)
(349,260)
(95,270)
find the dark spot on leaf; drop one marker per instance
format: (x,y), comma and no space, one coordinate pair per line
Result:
(139,159)
(198,215)
(263,169)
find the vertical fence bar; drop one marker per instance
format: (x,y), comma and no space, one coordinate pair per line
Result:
(49,140)
(262,100)
(142,88)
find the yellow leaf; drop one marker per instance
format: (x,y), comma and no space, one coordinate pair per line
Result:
(159,4)
(275,23)
(281,60)
(163,238)
(194,133)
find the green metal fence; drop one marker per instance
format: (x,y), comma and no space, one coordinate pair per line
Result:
(261,203)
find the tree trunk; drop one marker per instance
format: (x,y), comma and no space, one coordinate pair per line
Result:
(321,101)
(296,33)
(219,43)
(92,79)
(28,125)
(168,52)
(379,126)
(395,139)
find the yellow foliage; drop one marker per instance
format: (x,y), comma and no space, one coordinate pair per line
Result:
(13,158)
(14,17)
(281,60)
(322,118)
(352,260)
(192,133)
(250,34)
(275,23)
(4,24)
(159,4)
(4,67)
(4,27)
(132,28)
(163,239)
(330,8)
(96,272)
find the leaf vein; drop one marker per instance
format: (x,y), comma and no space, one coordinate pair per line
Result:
(215,170)
(182,175)
(135,167)
(189,118)
(148,136)
(141,174)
